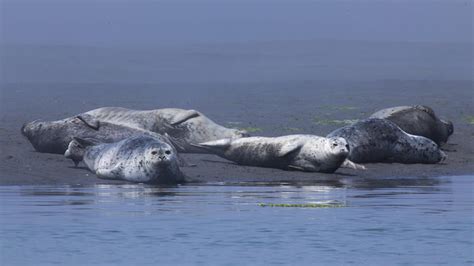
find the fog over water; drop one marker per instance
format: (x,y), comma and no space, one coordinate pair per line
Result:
(203,41)
(131,23)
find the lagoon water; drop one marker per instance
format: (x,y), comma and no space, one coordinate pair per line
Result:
(390,221)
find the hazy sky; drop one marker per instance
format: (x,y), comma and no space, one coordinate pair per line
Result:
(139,22)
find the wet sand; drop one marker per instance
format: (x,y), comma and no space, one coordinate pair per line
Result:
(268,109)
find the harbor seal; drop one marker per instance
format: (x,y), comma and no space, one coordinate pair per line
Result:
(418,120)
(190,126)
(55,136)
(380,140)
(141,159)
(298,152)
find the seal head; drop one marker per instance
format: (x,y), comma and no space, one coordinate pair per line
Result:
(322,155)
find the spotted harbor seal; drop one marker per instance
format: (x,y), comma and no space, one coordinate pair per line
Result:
(141,159)
(380,140)
(55,136)
(418,120)
(298,152)
(190,126)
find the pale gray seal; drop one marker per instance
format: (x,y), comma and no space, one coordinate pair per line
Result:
(141,159)
(188,126)
(418,120)
(54,136)
(299,152)
(380,140)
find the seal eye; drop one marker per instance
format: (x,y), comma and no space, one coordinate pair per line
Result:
(154,152)
(334,144)
(168,152)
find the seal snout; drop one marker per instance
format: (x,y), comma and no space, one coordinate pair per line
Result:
(28,128)
(23,129)
(449,126)
(161,155)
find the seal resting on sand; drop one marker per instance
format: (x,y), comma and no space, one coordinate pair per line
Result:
(380,140)
(188,126)
(418,120)
(55,136)
(141,159)
(293,152)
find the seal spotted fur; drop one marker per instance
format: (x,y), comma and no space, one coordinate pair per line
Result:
(418,120)
(298,152)
(142,159)
(55,136)
(380,140)
(189,126)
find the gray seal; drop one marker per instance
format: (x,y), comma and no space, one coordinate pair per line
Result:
(379,140)
(293,152)
(141,159)
(55,136)
(188,126)
(418,120)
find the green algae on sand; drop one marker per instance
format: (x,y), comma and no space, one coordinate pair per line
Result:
(326,122)
(470,119)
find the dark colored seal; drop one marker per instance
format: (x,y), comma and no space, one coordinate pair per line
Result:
(418,120)
(380,140)
(55,136)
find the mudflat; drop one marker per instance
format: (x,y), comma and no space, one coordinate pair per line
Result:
(262,108)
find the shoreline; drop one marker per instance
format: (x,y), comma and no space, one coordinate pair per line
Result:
(316,107)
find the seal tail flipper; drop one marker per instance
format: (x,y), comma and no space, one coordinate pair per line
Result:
(89,120)
(76,148)
(183,117)
(349,164)
(215,146)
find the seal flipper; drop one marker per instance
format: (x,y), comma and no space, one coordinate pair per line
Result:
(183,117)
(109,173)
(216,146)
(76,148)
(294,167)
(89,120)
(350,164)
(287,149)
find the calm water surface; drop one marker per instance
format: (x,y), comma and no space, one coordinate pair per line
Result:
(410,221)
